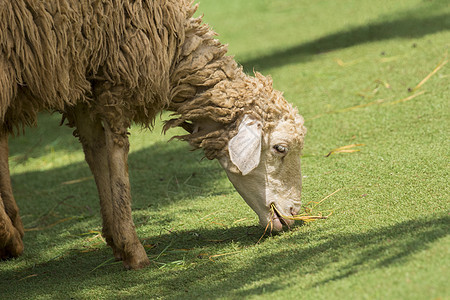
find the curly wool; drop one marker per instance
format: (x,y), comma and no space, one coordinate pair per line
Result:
(226,103)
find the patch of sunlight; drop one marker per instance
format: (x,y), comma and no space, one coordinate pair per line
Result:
(54,159)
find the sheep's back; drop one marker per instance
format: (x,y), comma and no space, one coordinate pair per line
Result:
(54,52)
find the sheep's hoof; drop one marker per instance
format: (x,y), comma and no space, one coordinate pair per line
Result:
(136,260)
(13,248)
(135,264)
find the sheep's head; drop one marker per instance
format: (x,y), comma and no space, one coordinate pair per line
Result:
(256,135)
(264,167)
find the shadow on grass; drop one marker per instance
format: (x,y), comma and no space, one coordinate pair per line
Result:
(334,256)
(74,271)
(412,24)
(330,256)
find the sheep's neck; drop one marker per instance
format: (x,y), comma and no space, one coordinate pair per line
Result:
(200,98)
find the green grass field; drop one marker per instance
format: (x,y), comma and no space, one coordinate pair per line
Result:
(352,68)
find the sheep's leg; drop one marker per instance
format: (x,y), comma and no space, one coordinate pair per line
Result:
(108,163)
(11,228)
(123,229)
(11,244)
(92,137)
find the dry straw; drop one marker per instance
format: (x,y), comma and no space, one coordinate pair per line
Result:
(307,216)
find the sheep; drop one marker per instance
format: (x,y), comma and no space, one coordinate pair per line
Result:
(107,64)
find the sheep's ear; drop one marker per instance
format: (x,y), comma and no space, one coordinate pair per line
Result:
(245,147)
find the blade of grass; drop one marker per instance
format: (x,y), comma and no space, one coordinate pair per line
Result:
(162,252)
(219,255)
(105,263)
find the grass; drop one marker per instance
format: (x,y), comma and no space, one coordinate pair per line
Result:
(345,65)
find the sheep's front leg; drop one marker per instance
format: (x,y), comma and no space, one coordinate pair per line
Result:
(108,164)
(91,134)
(11,228)
(123,229)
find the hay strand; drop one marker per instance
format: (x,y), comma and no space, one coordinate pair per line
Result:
(304,218)
(318,203)
(77,180)
(345,149)
(341,63)
(29,276)
(48,226)
(270,223)
(443,62)
(405,99)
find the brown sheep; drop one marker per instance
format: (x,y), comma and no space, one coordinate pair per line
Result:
(105,64)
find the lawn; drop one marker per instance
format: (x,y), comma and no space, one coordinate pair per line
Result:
(367,73)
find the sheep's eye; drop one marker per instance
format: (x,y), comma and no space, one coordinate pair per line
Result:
(280,149)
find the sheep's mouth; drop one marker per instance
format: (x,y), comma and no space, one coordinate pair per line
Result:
(277,220)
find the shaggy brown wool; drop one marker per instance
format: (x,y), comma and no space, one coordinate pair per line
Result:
(54,52)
